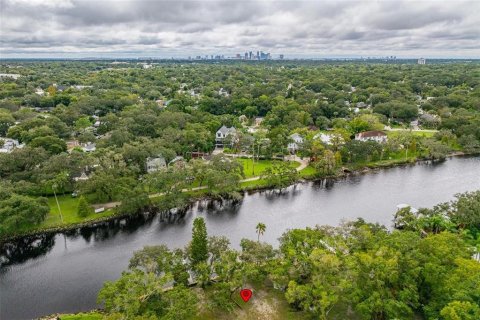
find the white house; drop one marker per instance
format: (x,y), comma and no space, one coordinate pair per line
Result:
(325,138)
(378,136)
(156,164)
(89,147)
(329,138)
(223,92)
(223,133)
(7,145)
(296,142)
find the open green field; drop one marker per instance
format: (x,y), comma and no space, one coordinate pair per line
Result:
(82,316)
(68,206)
(417,133)
(253,170)
(308,172)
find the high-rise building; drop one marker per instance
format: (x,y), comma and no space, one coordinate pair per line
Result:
(422,61)
(250,54)
(281,57)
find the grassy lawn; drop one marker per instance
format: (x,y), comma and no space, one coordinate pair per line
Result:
(308,172)
(69,206)
(418,133)
(82,316)
(260,166)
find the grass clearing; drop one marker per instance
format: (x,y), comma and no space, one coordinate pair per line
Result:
(68,206)
(82,316)
(417,133)
(308,172)
(253,170)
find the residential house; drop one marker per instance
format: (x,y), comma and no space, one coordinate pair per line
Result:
(7,145)
(223,133)
(40,92)
(82,177)
(295,143)
(324,137)
(72,144)
(155,164)
(223,92)
(178,162)
(161,103)
(378,136)
(59,88)
(361,105)
(258,121)
(89,147)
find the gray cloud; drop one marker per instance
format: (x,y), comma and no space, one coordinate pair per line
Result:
(163,28)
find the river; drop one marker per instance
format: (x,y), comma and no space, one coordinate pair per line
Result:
(63,272)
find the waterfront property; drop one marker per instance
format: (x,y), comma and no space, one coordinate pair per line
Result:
(296,141)
(223,134)
(106,248)
(378,136)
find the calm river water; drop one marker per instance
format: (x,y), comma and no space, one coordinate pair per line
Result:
(63,272)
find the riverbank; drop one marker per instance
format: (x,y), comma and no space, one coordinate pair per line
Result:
(253,184)
(71,267)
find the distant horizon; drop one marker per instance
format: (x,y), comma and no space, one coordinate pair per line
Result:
(76,29)
(231,55)
(230,58)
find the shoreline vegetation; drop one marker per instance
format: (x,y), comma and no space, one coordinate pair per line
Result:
(427,267)
(306,174)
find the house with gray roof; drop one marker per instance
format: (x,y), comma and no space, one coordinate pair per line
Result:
(155,164)
(7,145)
(222,134)
(89,147)
(296,141)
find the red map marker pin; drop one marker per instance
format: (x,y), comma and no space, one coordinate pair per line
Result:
(246,294)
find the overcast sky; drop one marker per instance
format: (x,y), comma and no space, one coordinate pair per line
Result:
(131,28)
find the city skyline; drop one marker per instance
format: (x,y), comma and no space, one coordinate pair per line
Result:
(302,29)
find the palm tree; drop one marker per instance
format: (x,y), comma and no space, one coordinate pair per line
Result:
(261,227)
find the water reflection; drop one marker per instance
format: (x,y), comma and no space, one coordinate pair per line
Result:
(69,268)
(25,249)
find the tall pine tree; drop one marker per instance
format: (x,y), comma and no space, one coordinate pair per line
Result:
(83,207)
(199,245)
